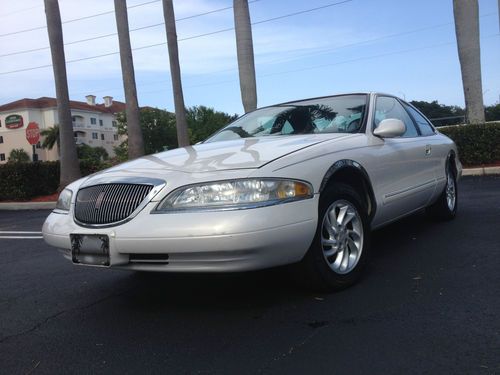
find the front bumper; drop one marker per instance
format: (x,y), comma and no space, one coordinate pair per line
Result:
(226,241)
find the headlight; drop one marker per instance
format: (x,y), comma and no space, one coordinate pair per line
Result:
(235,194)
(64,201)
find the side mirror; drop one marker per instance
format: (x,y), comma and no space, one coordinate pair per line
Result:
(390,128)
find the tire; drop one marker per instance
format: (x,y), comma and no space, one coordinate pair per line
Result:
(445,208)
(337,257)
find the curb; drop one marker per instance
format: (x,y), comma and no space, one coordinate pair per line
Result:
(482,171)
(16,206)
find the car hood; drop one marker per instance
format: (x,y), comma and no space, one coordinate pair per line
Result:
(245,153)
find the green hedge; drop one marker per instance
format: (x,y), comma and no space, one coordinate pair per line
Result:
(20,181)
(23,181)
(477,144)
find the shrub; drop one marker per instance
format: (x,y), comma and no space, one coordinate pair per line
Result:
(23,181)
(18,155)
(477,144)
(20,181)
(90,166)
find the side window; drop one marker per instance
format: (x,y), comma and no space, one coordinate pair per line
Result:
(422,123)
(387,107)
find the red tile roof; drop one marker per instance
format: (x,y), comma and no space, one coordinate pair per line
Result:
(45,102)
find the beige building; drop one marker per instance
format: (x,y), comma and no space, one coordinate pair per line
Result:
(93,124)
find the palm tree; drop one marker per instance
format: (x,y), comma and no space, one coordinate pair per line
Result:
(51,138)
(134,132)
(244,49)
(175,72)
(70,168)
(466,14)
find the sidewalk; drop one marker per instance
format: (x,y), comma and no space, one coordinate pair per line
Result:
(482,171)
(15,206)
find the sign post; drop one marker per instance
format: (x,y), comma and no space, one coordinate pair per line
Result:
(33,136)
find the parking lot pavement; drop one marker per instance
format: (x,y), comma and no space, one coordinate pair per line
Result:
(429,303)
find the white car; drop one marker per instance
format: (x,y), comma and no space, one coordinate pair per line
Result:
(299,183)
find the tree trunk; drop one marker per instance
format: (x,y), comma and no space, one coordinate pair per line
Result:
(244,49)
(134,132)
(175,72)
(70,168)
(467,30)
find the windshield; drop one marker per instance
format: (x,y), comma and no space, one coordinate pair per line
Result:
(338,114)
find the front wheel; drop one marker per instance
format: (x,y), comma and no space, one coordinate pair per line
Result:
(340,247)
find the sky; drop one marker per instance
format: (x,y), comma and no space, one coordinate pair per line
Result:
(403,47)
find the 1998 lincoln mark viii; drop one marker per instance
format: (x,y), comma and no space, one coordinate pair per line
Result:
(299,183)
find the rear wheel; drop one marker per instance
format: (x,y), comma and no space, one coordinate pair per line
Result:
(445,208)
(340,247)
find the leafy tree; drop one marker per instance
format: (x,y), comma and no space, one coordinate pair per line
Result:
(493,112)
(51,138)
(434,110)
(86,152)
(18,155)
(204,121)
(159,130)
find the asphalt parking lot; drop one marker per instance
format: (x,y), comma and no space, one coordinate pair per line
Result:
(429,303)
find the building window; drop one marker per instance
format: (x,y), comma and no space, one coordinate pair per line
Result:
(100,123)
(95,136)
(93,121)
(2,157)
(1,139)
(102,137)
(114,124)
(38,145)
(115,137)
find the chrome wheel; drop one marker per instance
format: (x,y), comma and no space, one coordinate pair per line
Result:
(342,236)
(451,195)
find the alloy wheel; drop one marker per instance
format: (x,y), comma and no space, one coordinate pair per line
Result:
(342,236)
(451,195)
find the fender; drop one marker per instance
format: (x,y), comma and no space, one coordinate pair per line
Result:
(346,164)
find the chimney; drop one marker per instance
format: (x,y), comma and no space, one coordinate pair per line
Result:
(90,99)
(108,101)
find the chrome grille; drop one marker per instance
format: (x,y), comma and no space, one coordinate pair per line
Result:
(109,203)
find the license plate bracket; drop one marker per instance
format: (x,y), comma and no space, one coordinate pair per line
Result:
(90,249)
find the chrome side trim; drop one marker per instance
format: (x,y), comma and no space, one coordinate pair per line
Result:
(390,197)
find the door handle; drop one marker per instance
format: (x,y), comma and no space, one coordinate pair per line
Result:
(428,150)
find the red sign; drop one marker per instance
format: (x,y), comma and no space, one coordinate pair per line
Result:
(33,133)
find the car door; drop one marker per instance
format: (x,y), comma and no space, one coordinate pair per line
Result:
(437,152)
(402,171)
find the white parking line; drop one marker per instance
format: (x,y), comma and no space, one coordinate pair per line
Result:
(18,232)
(21,237)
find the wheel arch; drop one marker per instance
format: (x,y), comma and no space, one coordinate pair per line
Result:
(451,159)
(352,173)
